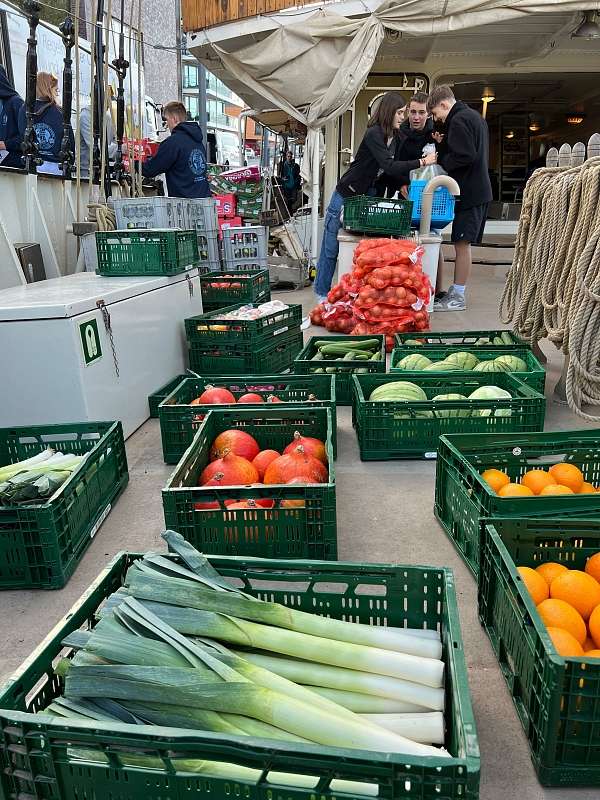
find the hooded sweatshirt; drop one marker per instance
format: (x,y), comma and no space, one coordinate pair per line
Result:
(48,126)
(10,106)
(409,146)
(182,158)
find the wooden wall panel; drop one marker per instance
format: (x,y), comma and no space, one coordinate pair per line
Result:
(198,14)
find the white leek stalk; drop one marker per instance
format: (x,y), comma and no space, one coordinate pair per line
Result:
(367,703)
(427,728)
(9,470)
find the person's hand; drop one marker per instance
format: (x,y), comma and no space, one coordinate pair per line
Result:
(404,192)
(2,145)
(430,158)
(437,136)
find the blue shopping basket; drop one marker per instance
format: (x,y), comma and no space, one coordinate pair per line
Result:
(442,212)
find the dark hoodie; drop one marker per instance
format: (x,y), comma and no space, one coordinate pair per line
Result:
(409,146)
(48,127)
(182,158)
(10,105)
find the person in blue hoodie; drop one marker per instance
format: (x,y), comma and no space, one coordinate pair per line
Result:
(10,139)
(48,123)
(182,156)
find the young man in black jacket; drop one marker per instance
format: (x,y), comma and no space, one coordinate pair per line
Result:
(463,153)
(181,156)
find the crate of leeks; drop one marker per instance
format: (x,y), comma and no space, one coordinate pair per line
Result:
(81,751)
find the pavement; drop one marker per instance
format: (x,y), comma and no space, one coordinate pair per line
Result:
(385,513)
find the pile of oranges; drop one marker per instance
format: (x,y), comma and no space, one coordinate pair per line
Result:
(568,601)
(560,479)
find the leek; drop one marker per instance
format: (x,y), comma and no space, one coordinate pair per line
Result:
(22,466)
(427,728)
(367,703)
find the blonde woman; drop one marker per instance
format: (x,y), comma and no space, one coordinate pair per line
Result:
(47,123)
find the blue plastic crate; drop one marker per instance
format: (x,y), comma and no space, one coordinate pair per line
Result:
(442,212)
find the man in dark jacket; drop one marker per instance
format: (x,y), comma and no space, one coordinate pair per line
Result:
(414,133)
(181,156)
(463,153)
(10,138)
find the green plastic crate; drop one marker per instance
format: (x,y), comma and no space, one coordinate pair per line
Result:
(230,359)
(383,434)
(302,532)
(534,376)
(459,339)
(179,420)
(463,498)
(365,214)
(559,713)
(156,398)
(42,544)
(304,365)
(254,288)
(145,252)
(34,750)
(212,331)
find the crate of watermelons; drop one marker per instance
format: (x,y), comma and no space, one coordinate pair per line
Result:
(248,485)
(226,288)
(181,413)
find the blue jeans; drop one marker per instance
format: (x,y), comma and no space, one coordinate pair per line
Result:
(329,246)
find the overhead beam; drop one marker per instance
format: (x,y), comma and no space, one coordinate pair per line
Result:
(550,45)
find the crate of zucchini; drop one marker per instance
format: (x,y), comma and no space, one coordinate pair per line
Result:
(294,521)
(556,698)
(395,418)
(221,289)
(463,499)
(50,757)
(181,413)
(223,346)
(41,542)
(341,356)
(461,339)
(412,362)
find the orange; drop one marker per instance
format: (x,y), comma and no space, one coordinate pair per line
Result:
(589,644)
(558,614)
(515,490)
(556,488)
(564,643)
(567,475)
(534,583)
(495,479)
(594,625)
(592,654)
(586,488)
(592,566)
(550,570)
(579,589)
(536,479)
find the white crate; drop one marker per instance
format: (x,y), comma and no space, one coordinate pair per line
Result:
(202,215)
(151,212)
(87,243)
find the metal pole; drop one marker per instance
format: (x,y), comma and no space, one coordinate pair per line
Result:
(99,101)
(202,107)
(67,157)
(314,214)
(120,64)
(30,148)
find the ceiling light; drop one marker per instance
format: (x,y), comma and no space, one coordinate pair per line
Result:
(575,119)
(488,95)
(534,126)
(588,28)
(510,135)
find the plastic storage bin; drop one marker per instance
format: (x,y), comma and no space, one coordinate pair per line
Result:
(214,329)
(461,339)
(221,289)
(556,698)
(442,210)
(245,245)
(144,253)
(202,215)
(405,429)
(179,420)
(156,398)
(36,752)
(41,544)
(463,499)
(277,355)
(374,215)
(307,530)
(150,212)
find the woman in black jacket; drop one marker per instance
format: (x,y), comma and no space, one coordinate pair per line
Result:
(374,157)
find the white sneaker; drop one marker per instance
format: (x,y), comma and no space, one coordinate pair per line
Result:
(452,301)
(321,298)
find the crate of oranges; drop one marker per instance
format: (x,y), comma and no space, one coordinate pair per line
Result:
(539,602)
(513,475)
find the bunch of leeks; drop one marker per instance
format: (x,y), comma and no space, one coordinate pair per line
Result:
(37,478)
(179,646)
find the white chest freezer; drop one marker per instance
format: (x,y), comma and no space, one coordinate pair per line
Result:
(84,347)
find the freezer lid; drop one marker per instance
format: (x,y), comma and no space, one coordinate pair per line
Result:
(62,298)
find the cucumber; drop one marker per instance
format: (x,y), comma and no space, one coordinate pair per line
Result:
(506,337)
(355,344)
(349,356)
(318,356)
(331,370)
(376,356)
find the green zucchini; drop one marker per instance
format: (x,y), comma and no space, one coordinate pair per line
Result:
(506,337)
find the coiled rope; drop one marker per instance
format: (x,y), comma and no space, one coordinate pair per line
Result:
(553,287)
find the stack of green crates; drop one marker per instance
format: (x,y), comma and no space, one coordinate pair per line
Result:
(146,252)
(179,420)
(461,339)
(556,698)
(219,346)
(229,287)
(534,375)
(41,544)
(411,429)
(463,499)
(47,758)
(302,521)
